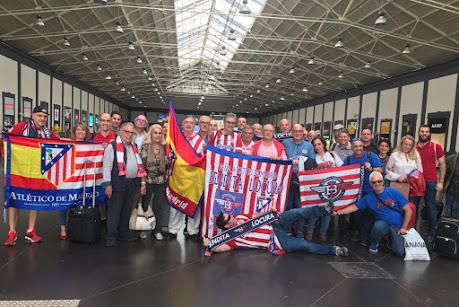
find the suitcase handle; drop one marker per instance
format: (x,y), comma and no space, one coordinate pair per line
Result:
(94,187)
(84,186)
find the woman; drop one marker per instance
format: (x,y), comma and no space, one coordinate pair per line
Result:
(404,161)
(383,155)
(164,133)
(324,159)
(153,154)
(80,132)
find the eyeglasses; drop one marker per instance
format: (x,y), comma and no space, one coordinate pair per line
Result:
(128,132)
(141,120)
(232,123)
(376,181)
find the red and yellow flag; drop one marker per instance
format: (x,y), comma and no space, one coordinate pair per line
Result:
(187,174)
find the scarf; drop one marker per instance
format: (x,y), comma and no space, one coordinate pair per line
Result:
(120,158)
(151,156)
(32,132)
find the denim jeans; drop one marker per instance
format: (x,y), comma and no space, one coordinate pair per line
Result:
(431,207)
(452,205)
(294,201)
(324,222)
(293,244)
(381,229)
(416,200)
(63,217)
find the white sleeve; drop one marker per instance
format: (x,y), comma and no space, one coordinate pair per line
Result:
(338,161)
(419,162)
(390,175)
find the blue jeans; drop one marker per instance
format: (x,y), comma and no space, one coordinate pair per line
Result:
(294,201)
(416,200)
(431,206)
(63,217)
(324,222)
(381,229)
(452,205)
(293,244)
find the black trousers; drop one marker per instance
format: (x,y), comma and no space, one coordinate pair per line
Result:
(119,211)
(156,198)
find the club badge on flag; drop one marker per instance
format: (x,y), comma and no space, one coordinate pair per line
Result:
(340,185)
(242,184)
(44,174)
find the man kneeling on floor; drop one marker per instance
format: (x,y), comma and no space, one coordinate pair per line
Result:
(391,211)
(275,237)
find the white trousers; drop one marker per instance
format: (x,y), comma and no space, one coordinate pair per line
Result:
(177,222)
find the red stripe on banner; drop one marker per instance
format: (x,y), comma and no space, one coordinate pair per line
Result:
(189,210)
(86,153)
(81,178)
(258,166)
(230,174)
(246,183)
(330,169)
(318,181)
(64,170)
(285,191)
(320,201)
(31,183)
(209,200)
(58,168)
(89,165)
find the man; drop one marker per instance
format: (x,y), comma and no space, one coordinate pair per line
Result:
(299,151)
(35,128)
(451,185)
(226,138)
(204,126)
(213,125)
(141,126)
(177,218)
(431,154)
(257,128)
(362,220)
(284,126)
(391,211)
(247,143)
(275,237)
(124,174)
(105,134)
(336,130)
(367,139)
(241,123)
(116,121)
(311,135)
(268,147)
(343,148)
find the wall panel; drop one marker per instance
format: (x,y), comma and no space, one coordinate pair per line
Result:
(28,88)
(411,103)
(340,106)
(388,109)
(8,80)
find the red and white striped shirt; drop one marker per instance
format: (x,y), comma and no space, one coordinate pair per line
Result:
(230,142)
(261,238)
(197,142)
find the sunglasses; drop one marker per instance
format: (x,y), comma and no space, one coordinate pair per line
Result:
(376,181)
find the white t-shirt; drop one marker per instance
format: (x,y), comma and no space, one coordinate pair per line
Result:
(328,160)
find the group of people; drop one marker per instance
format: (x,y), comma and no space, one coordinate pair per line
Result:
(135,170)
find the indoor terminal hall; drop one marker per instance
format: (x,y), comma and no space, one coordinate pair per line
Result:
(202,153)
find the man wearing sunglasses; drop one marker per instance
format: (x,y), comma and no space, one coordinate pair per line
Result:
(392,214)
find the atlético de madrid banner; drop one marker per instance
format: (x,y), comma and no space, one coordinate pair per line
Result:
(242,184)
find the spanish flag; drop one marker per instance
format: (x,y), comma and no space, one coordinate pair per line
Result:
(187,174)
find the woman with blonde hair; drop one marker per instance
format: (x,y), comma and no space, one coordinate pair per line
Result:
(153,156)
(403,162)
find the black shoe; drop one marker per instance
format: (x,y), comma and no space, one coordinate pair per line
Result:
(110,243)
(129,238)
(171,236)
(195,238)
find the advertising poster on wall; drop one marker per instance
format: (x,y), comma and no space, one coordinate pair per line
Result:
(26,108)
(8,110)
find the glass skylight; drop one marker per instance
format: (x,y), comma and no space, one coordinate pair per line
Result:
(203,28)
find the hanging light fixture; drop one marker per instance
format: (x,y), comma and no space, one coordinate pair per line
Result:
(140,102)
(381,20)
(282,98)
(118,28)
(131,46)
(84,57)
(144,71)
(292,70)
(267,85)
(99,68)
(258,91)
(278,81)
(339,43)
(123,89)
(133,97)
(39,22)
(321,82)
(245,9)
(150,78)
(139,60)
(311,61)
(66,42)
(223,51)
(368,64)
(305,89)
(341,75)
(407,49)
(108,77)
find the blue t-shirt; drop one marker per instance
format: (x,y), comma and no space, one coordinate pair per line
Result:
(391,197)
(293,150)
(361,160)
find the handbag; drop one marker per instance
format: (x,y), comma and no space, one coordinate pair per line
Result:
(141,220)
(415,247)
(403,187)
(417,183)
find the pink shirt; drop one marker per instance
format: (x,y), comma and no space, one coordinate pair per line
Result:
(270,151)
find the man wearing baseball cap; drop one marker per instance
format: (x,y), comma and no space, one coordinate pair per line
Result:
(336,130)
(35,128)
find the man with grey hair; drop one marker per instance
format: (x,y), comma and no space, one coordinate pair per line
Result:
(392,213)
(247,143)
(284,125)
(226,138)
(141,125)
(268,147)
(204,126)
(257,129)
(124,175)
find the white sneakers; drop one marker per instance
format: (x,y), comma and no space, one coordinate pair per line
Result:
(159,236)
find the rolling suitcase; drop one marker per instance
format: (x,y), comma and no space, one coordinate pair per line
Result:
(446,241)
(84,222)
